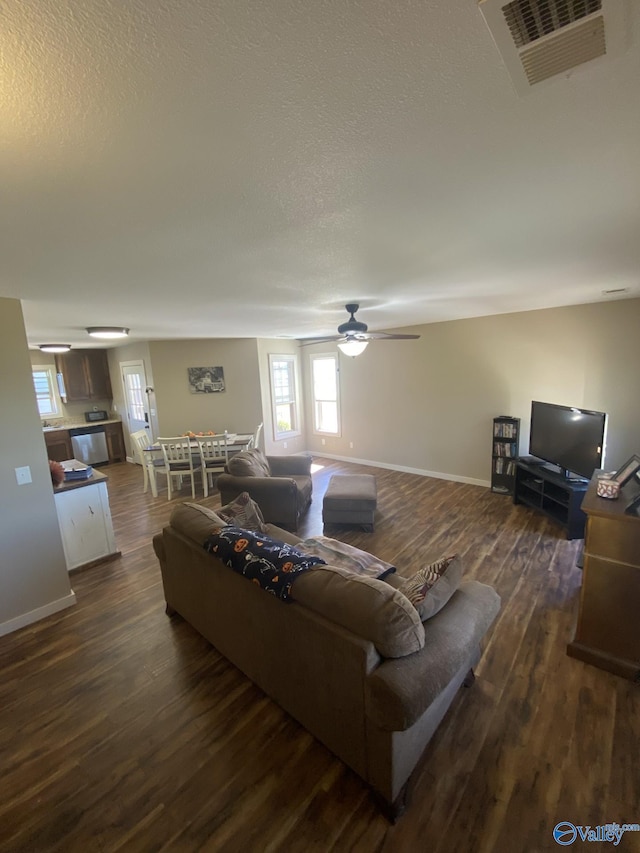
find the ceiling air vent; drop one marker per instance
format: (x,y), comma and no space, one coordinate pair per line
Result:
(539,39)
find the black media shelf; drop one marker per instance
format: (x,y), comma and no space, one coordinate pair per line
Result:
(552,494)
(504,453)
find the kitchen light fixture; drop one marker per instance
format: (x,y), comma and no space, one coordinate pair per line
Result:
(55,347)
(352,348)
(107,331)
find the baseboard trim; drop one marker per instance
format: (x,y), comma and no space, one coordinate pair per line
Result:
(439,475)
(37,614)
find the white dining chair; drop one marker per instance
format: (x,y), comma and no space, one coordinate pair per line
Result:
(180,460)
(213,457)
(140,443)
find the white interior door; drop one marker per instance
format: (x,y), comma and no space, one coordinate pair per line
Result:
(136,398)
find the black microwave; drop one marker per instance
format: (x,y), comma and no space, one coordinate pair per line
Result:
(99,415)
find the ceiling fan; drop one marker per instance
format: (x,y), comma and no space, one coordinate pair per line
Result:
(353,337)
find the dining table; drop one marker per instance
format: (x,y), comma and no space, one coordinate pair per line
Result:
(235,443)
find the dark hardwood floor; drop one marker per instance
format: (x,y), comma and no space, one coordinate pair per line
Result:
(122,729)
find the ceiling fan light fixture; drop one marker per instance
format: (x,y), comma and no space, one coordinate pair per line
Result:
(107,331)
(55,347)
(352,348)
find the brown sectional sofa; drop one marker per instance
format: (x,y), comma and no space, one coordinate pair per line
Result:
(361,673)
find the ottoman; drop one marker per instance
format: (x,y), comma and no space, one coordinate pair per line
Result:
(350,499)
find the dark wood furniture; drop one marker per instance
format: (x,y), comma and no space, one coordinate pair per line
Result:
(115,442)
(607,633)
(85,375)
(58,444)
(504,452)
(551,493)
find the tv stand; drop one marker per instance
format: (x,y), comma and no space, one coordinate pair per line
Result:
(552,494)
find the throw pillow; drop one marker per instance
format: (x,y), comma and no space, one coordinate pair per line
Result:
(249,463)
(433,585)
(243,512)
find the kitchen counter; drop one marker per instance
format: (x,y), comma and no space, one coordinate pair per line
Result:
(85,522)
(68,485)
(79,425)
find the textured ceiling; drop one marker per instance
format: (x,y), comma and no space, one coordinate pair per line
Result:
(225,168)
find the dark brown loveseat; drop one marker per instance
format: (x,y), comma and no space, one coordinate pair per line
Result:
(280,485)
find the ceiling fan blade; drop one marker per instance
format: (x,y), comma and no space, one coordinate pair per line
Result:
(331,338)
(388,336)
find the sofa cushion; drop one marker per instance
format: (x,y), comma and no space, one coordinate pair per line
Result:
(195,521)
(433,585)
(368,607)
(249,463)
(243,512)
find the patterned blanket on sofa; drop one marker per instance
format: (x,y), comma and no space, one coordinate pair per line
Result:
(271,564)
(346,557)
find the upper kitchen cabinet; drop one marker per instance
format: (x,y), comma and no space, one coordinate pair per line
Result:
(83,374)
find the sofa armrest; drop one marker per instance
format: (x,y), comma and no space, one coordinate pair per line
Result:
(401,690)
(287,466)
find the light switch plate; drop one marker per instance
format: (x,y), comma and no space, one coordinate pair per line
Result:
(23,475)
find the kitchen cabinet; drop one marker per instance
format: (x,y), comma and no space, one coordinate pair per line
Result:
(58,445)
(115,442)
(83,375)
(85,521)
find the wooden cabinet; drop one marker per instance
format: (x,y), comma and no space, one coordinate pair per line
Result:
(115,442)
(83,375)
(58,445)
(505,448)
(85,522)
(552,494)
(607,632)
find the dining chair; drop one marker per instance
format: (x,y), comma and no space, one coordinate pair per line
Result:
(180,460)
(254,437)
(213,457)
(140,442)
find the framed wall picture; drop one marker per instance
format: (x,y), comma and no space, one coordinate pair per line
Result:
(630,467)
(206,380)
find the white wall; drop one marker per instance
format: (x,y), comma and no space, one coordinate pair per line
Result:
(427,405)
(33,575)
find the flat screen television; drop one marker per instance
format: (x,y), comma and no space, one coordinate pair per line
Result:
(571,438)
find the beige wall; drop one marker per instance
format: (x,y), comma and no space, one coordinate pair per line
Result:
(427,405)
(237,409)
(33,575)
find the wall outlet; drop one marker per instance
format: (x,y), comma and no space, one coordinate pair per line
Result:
(285,445)
(323,441)
(351,445)
(23,475)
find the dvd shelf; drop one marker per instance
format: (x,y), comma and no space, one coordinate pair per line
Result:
(505,448)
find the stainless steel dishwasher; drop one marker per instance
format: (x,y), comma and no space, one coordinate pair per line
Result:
(89,444)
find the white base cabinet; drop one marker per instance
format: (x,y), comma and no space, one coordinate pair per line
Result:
(85,523)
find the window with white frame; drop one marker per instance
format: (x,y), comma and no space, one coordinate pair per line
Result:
(284,395)
(46,391)
(326,404)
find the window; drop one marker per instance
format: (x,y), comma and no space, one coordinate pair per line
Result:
(284,395)
(46,392)
(326,408)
